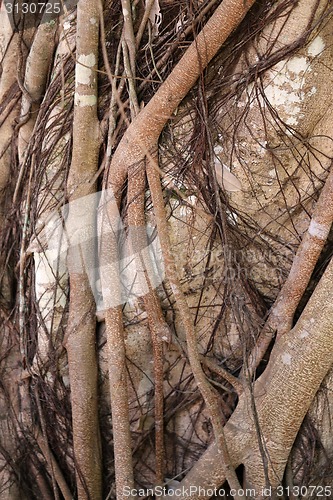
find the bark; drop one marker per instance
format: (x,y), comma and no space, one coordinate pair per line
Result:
(283,394)
(9,343)
(270,411)
(144,132)
(36,74)
(48,241)
(81,329)
(282,313)
(158,328)
(209,395)
(139,139)
(9,93)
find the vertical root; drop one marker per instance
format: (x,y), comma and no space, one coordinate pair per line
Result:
(210,396)
(157,325)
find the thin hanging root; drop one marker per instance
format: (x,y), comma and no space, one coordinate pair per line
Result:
(309,250)
(157,325)
(54,469)
(143,23)
(129,55)
(219,370)
(210,396)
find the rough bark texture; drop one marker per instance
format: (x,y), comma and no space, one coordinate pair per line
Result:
(244,164)
(80,339)
(144,132)
(9,52)
(281,398)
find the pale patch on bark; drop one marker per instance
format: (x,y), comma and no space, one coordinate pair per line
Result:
(286,358)
(285,89)
(83,73)
(316,47)
(304,334)
(320,231)
(84,100)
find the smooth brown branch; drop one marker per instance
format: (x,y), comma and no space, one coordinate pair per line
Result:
(143,133)
(35,79)
(118,380)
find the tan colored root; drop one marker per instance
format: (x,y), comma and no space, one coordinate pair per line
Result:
(144,131)
(211,398)
(157,325)
(283,395)
(282,313)
(81,329)
(36,74)
(140,138)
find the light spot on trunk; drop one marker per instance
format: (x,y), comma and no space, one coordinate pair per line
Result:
(93,20)
(316,47)
(84,100)
(304,334)
(297,65)
(286,358)
(87,60)
(285,87)
(192,200)
(318,230)
(83,73)
(312,91)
